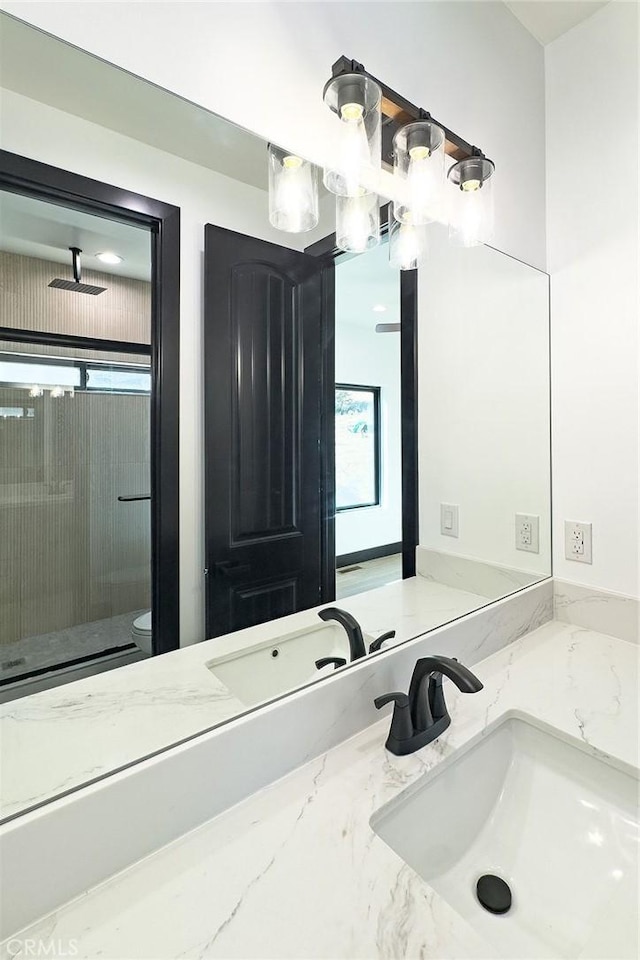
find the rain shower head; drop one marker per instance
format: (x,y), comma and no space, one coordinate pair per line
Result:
(75,284)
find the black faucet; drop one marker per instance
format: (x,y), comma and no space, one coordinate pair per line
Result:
(422,716)
(353,630)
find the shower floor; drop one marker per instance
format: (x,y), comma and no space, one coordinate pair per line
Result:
(51,650)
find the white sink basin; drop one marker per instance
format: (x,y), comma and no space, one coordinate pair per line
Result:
(270,668)
(558,824)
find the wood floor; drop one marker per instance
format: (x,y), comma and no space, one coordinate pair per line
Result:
(365,576)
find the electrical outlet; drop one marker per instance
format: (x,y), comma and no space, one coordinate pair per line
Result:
(449,519)
(527,532)
(577,541)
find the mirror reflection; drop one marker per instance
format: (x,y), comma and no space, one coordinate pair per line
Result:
(364,452)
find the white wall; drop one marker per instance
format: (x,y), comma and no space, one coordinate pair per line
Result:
(372,359)
(263,65)
(53,137)
(483,343)
(592,210)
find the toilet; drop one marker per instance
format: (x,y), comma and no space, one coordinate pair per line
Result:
(141,632)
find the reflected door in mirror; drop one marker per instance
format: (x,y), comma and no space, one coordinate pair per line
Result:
(265,310)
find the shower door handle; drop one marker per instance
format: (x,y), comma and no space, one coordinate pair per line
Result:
(134,496)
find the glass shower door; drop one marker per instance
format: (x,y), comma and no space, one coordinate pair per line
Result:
(75,567)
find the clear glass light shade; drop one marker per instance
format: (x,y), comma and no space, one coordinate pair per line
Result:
(471,219)
(418,151)
(355,101)
(407,245)
(293,192)
(357,222)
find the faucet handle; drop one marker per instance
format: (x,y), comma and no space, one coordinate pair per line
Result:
(377,643)
(401,723)
(325,661)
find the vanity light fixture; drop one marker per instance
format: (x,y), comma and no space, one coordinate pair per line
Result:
(407,244)
(418,165)
(471,204)
(109,257)
(378,129)
(293,191)
(357,222)
(36,390)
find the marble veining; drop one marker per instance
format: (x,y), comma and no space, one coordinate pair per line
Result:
(599,610)
(50,738)
(464,573)
(296,871)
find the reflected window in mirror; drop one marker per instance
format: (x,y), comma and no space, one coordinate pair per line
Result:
(357,447)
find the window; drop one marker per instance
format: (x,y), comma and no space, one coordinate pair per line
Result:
(357,446)
(118,380)
(59,376)
(26,371)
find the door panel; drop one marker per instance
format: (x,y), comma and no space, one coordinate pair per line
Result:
(266,310)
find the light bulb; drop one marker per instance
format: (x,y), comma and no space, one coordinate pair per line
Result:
(290,193)
(57,392)
(407,245)
(357,222)
(471,215)
(293,192)
(351,111)
(418,151)
(423,184)
(355,154)
(472,222)
(35,390)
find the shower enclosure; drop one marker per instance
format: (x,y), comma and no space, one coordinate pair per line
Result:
(75,442)
(74,506)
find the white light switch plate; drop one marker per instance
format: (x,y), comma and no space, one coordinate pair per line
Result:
(449,519)
(528,532)
(577,541)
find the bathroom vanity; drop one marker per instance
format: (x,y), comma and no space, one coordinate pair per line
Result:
(328,861)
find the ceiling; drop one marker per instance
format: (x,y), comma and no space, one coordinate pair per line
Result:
(549,19)
(34,228)
(72,80)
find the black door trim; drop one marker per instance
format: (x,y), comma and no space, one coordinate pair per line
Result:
(408,403)
(22,175)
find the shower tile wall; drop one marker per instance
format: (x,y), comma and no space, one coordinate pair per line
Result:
(122,312)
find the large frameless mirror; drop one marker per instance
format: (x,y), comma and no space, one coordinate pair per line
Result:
(354,435)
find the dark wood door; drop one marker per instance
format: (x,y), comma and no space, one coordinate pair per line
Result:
(269,320)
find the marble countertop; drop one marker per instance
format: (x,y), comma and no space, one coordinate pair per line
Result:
(296,871)
(59,739)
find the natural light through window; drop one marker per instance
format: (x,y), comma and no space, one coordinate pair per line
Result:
(357,446)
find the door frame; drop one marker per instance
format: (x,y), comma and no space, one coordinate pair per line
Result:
(23,175)
(408,408)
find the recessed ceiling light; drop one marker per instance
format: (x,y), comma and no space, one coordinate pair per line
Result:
(109,257)
(379,308)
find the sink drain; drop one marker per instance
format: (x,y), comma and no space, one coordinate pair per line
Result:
(493,893)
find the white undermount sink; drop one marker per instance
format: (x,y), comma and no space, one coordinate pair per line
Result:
(269,668)
(556,822)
